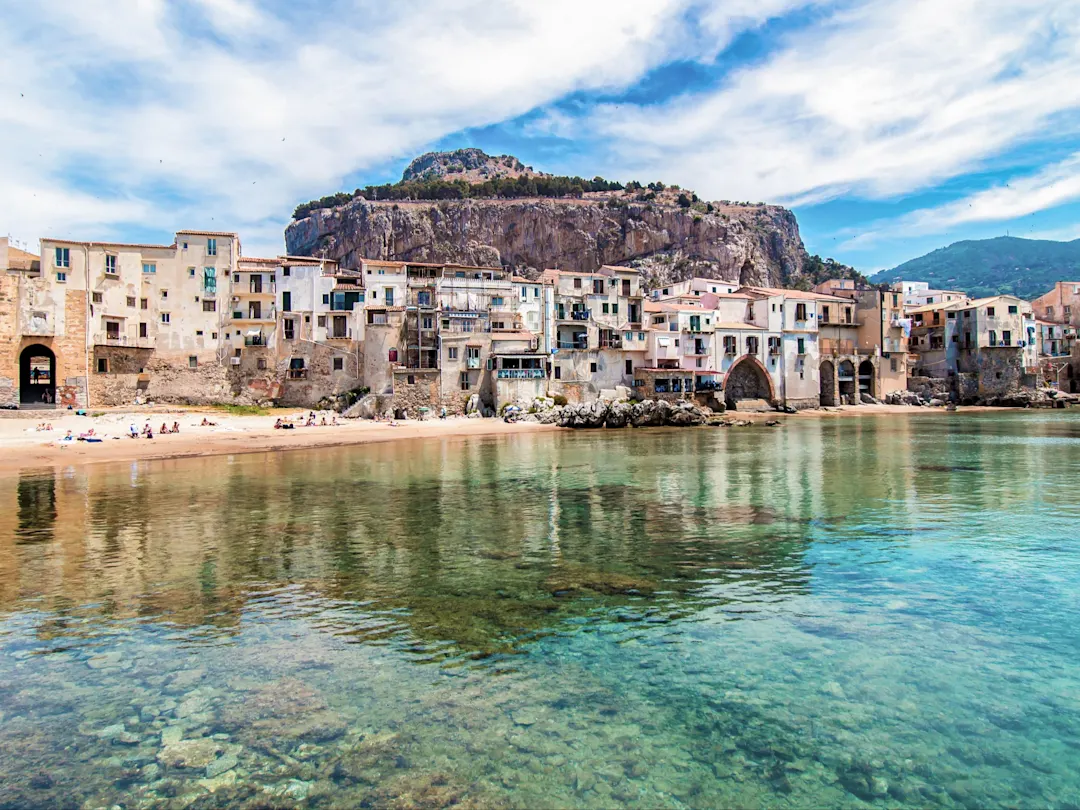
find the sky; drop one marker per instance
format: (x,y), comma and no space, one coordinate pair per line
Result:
(890,127)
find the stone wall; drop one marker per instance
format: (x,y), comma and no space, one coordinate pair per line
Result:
(422,392)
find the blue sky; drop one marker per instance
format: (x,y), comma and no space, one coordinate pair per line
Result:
(891,127)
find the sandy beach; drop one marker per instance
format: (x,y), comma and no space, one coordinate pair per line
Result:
(22,446)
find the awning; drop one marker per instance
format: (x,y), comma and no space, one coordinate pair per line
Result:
(664,341)
(253,333)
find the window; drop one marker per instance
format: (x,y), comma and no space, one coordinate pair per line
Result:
(144,303)
(1068,312)
(951,316)
(209,305)
(463,379)
(577,283)
(592,367)
(63,257)
(1013,309)
(451,353)
(825,313)
(629,366)
(96,297)
(614,309)
(729,344)
(289,328)
(558,372)
(751,345)
(191,272)
(428,322)
(110,265)
(800,312)
(198,333)
(640,335)
(628,336)
(1006,337)
(321,321)
(339,363)
(211,247)
(164,293)
(605,308)
(497,301)
(131,301)
(676,343)
(102,365)
(260,364)
(192,361)
(893,366)
(750,311)
(61,276)
(213,336)
(112,330)
(896,304)
(802,346)
(143,329)
(286,301)
(774,345)
(164,317)
(598,287)
(993,338)
(989,312)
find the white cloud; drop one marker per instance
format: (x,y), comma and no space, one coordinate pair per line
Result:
(156,114)
(1050,187)
(878,99)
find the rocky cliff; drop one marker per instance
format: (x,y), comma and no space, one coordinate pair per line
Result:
(752,244)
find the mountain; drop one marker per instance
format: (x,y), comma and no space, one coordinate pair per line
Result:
(980,267)
(470,208)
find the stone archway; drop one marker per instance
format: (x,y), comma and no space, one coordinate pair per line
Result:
(846,383)
(37,376)
(866,378)
(828,383)
(747,379)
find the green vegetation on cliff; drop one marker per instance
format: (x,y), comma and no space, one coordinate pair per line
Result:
(437,189)
(981,267)
(816,270)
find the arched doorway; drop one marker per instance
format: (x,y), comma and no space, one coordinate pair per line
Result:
(37,376)
(846,383)
(747,379)
(828,383)
(866,378)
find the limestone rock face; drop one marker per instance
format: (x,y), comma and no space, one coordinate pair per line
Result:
(750,244)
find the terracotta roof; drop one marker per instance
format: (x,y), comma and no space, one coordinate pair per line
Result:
(227,234)
(740,325)
(107,244)
(808,296)
(512,334)
(19,259)
(254,260)
(523,280)
(941,306)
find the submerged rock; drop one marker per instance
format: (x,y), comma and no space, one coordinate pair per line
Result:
(189,753)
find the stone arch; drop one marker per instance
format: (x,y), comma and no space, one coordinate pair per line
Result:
(37,375)
(866,378)
(828,383)
(846,382)
(748,379)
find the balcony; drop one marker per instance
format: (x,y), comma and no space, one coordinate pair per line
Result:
(611,343)
(256,315)
(575,315)
(520,374)
(263,289)
(297,374)
(472,362)
(580,345)
(105,339)
(259,340)
(829,346)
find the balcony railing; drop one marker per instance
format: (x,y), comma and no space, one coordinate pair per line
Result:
(521,374)
(240,315)
(297,374)
(105,339)
(611,343)
(830,346)
(573,344)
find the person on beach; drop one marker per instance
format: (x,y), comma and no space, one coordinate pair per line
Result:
(164,428)
(323,422)
(175,427)
(333,420)
(132,432)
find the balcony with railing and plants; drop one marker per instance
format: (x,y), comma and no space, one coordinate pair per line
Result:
(116,339)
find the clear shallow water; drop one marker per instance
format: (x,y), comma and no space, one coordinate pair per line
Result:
(834,613)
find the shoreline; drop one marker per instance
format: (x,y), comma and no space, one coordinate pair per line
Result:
(27,449)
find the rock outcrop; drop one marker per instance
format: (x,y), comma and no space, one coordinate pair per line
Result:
(648,413)
(751,244)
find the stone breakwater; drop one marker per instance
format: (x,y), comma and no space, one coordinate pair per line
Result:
(648,413)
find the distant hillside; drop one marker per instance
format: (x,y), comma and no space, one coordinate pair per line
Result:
(1024,267)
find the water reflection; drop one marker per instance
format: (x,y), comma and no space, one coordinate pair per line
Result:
(832,613)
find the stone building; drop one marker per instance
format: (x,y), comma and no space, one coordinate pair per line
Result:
(863,342)
(1060,305)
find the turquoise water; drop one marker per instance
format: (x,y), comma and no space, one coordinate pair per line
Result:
(836,612)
